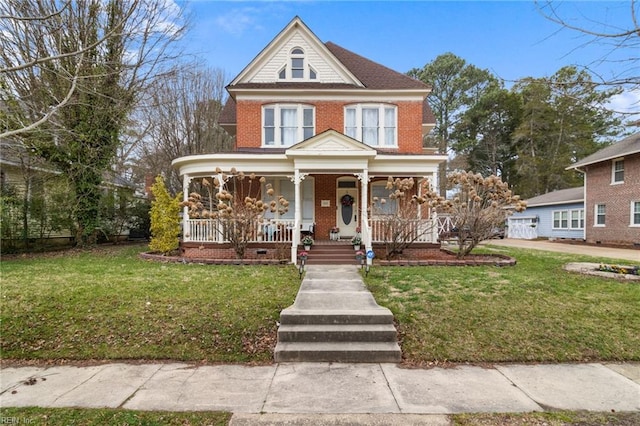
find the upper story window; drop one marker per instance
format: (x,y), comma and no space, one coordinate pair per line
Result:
(287,124)
(635,213)
(372,124)
(617,171)
(297,67)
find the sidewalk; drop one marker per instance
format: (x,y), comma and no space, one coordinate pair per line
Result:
(327,388)
(323,393)
(630,254)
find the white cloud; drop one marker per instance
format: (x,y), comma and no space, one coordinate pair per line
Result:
(237,21)
(627,101)
(627,104)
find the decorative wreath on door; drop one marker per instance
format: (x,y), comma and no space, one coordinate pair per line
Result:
(347,200)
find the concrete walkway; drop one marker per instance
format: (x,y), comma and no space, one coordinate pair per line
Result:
(632,255)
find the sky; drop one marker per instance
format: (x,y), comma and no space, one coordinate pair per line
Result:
(512,39)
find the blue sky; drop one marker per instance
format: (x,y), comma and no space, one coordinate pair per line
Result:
(511,39)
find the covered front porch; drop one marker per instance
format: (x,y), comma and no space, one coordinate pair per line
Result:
(331,182)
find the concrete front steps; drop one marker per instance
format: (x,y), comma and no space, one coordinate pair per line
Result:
(336,319)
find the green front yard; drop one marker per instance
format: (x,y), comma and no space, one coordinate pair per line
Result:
(532,312)
(107,304)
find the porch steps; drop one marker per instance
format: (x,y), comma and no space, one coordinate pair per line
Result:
(335,253)
(336,319)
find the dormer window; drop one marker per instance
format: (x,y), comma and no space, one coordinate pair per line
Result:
(297,67)
(297,63)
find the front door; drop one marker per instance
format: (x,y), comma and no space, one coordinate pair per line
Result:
(347,207)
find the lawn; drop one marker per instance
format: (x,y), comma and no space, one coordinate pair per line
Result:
(109,304)
(532,312)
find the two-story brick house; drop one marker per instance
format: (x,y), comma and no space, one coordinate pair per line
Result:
(326,127)
(612,193)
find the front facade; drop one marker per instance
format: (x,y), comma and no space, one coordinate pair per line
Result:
(612,193)
(326,128)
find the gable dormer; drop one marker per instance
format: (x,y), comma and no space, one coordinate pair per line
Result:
(296,55)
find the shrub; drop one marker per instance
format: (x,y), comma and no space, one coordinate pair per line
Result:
(165,223)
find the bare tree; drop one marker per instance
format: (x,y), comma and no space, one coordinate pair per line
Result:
(71,73)
(181,118)
(616,35)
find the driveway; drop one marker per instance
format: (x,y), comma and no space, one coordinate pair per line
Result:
(632,255)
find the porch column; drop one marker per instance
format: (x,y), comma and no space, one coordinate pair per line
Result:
(297,214)
(364,205)
(186,235)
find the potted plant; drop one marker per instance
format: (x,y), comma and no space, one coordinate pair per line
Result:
(334,233)
(360,256)
(302,255)
(307,242)
(356,241)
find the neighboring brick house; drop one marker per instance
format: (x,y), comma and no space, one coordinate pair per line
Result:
(612,193)
(322,125)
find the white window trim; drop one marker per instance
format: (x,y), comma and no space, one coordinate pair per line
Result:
(595,216)
(580,218)
(306,67)
(553,219)
(277,123)
(631,212)
(381,125)
(613,171)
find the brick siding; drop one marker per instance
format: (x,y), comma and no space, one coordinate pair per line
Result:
(330,115)
(617,199)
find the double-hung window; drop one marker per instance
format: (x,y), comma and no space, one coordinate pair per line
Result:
(372,124)
(600,214)
(380,201)
(577,219)
(635,213)
(287,124)
(560,219)
(617,171)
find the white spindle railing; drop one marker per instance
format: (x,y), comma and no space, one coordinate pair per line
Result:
(214,231)
(418,230)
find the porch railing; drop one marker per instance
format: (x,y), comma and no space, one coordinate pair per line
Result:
(418,230)
(218,231)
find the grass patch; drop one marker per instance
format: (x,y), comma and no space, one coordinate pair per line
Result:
(560,418)
(532,312)
(109,304)
(81,416)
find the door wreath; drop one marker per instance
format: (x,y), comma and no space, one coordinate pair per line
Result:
(347,200)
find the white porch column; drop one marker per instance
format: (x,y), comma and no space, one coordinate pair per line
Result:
(186,235)
(364,205)
(297,214)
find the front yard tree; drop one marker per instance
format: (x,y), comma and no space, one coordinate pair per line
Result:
(81,65)
(400,215)
(455,85)
(237,203)
(480,206)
